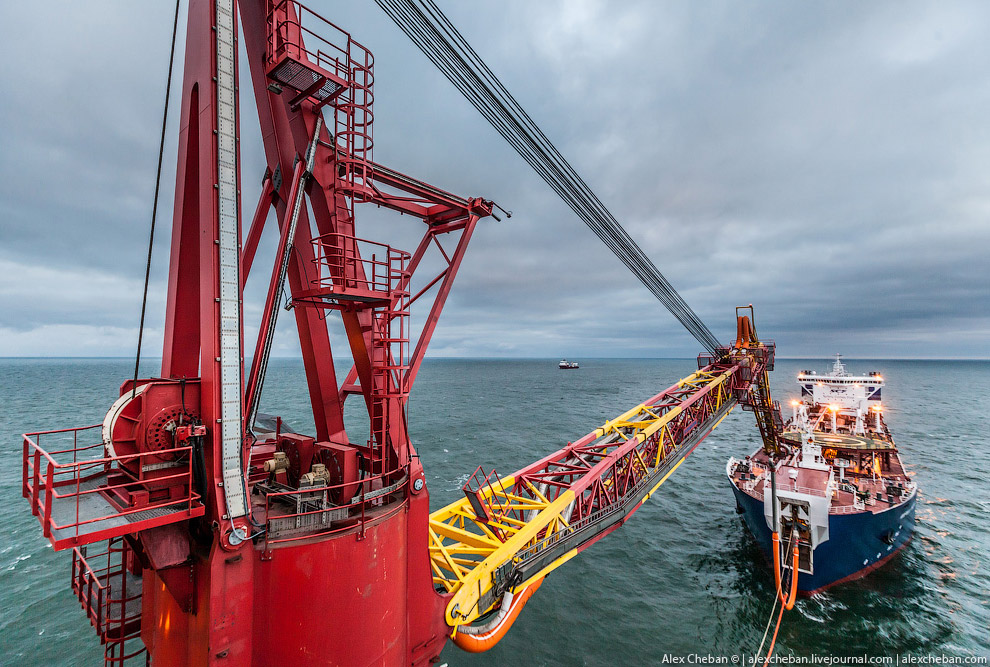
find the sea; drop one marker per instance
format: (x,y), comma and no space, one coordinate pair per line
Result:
(681,581)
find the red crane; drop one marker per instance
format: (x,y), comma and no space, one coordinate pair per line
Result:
(205,532)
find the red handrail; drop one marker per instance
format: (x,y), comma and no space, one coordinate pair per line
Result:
(61,474)
(84,575)
(346,267)
(361,503)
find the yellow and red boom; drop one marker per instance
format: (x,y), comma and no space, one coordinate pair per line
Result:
(491,550)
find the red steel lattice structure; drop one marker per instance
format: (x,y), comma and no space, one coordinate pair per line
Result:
(228,571)
(243,542)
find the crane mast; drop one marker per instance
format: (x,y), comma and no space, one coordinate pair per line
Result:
(242,541)
(206,532)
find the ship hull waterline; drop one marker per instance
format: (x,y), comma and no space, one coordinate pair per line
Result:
(858,543)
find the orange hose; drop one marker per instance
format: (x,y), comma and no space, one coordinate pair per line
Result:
(482,642)
(788,602)
(794,581)
(773,641)
(775,541)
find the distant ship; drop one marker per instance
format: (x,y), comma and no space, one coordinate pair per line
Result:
(567,365)
(842,491)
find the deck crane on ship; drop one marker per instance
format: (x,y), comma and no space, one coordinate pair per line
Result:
(204,532)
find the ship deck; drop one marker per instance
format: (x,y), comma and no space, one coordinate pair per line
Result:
(857,478)
(843,440)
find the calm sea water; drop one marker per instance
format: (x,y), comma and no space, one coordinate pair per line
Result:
(682,577)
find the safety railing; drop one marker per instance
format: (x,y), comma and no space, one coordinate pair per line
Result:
(297,33)
(391,349)
(74,488)
(354,119)
(360,269)
(855,508)
(316,516)
(111,598)
(315,57)
(89,587)
(358,273)
(552,538)
(480,492)
(783,486)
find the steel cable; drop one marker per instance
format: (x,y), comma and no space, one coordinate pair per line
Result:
(525,119)
(154,206)
(636,267)
(595,224)
(440,41)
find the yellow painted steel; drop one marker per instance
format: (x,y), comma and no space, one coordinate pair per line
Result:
(472,556)
(465,551)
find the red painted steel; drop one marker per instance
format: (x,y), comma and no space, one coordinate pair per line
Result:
(330,563)
(605,478)
(335,569)
(109,592)
(250,246)
(80,495)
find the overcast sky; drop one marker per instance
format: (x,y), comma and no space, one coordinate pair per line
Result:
(828,162)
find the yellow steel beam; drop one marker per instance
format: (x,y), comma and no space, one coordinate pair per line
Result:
(465,551)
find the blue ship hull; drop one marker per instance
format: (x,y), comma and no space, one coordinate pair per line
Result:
(857,544)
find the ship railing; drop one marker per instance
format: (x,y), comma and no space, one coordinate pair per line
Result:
(70,485)
(750,485)
(833,509)
(855,508)
(317,516)
(806,490)
(788,488)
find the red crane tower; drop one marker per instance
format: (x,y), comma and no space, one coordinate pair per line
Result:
(206,533)
(182,486)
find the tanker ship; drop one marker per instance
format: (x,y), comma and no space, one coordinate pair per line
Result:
(842,494)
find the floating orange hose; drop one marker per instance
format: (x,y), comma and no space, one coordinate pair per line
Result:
(477,642)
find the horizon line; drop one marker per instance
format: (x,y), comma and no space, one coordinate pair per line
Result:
(539,358)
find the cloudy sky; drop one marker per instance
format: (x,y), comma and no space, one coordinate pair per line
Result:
(828,162)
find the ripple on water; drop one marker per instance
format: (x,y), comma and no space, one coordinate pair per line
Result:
(681,576)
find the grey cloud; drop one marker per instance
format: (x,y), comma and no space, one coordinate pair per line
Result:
(825,162)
